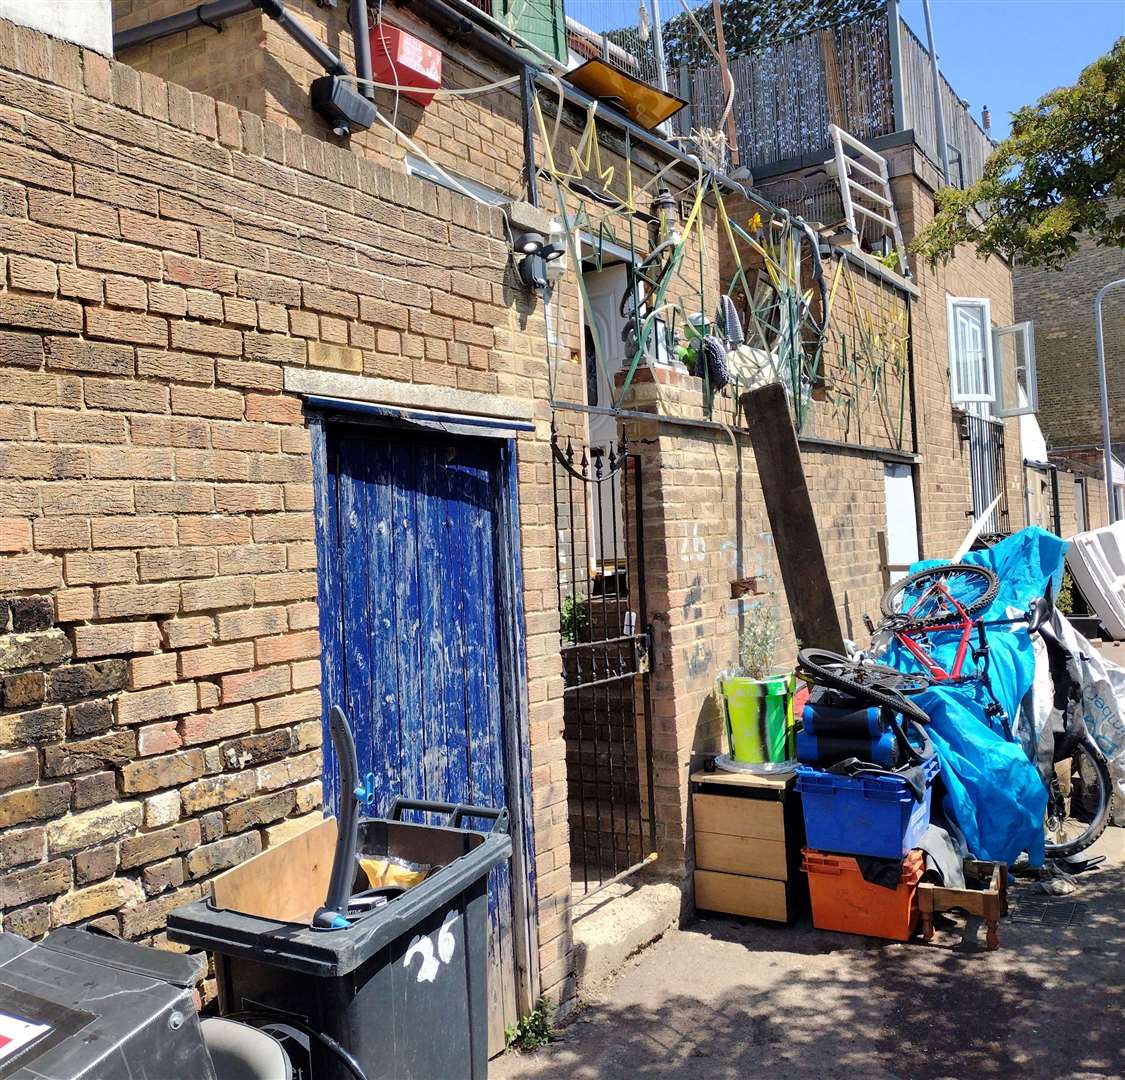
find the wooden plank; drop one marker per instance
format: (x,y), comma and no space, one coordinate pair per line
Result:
(514,706)
(740,855)
(288,882)
(381,747)
(486,746)
(776,782)
(432,569)
(795,536)
(354,616)
(406,642)
(454,635)
(756,819)
(325,464)
(756,898)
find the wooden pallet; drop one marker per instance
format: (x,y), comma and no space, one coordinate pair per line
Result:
(989,903)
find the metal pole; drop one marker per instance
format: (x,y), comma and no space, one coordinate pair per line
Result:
(665,128)
(894,43)
(939,107)
(1099,333)
(658,46)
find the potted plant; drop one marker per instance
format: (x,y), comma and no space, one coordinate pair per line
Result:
(758,700)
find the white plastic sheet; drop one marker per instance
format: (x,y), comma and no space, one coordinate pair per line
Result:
(1102,685)
(1097,561)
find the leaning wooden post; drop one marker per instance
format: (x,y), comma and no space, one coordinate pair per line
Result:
(795,538)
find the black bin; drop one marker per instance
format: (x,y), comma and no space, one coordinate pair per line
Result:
(402,988)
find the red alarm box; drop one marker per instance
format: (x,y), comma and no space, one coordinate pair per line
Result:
(400,59)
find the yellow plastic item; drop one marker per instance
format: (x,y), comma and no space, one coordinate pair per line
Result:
(383,872)
(643,104)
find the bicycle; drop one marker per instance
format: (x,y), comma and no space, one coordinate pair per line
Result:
(945,599)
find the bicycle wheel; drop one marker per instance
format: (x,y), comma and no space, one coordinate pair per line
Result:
(1079,801)
(868,682)
(916,600)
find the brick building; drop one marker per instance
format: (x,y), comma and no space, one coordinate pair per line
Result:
(1061,305)
(1061,302)
(257,381)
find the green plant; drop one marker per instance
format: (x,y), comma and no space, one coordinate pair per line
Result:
(1065,600)
(575,619)
(890,260)
(532,1031)
(1058,176)
(758,643)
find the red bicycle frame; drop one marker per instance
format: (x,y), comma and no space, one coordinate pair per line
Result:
(962,621)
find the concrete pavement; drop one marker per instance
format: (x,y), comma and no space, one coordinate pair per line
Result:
(726,998)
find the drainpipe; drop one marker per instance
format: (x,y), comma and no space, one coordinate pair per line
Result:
(300,34)
(357,16)
(212,15)
(527,96)
(1103,389)
(939,106)
(215,13)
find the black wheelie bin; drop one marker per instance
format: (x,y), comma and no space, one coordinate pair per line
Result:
(401,988)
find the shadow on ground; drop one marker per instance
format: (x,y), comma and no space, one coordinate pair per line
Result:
(725,998)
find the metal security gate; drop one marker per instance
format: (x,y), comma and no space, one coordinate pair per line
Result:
(606,650)
(988,471)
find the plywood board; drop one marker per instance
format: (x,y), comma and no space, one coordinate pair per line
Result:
(288,882)
(756,898)
(740,855)
(759,819)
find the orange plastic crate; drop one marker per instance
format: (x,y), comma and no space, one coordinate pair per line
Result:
(842,900)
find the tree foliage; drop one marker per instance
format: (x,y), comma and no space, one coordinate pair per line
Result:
(748,25)
(1059,174)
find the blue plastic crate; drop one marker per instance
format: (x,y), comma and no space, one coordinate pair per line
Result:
(863,815)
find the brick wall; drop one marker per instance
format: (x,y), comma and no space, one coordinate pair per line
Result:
(705,526)
(163,260)
(945,492)
(257,66)
(1061,304)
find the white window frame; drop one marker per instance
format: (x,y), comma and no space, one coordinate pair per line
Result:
(957,394)
(1027,331)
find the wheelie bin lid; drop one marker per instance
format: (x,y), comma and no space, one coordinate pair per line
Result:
(332,952)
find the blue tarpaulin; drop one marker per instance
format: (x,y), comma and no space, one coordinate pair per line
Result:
(993,793)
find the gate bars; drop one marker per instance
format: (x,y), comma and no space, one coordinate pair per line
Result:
(606,652)
(988,471)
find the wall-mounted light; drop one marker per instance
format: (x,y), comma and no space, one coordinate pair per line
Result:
(528,243)
(537,253)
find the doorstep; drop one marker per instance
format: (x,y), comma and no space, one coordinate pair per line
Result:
(615,923)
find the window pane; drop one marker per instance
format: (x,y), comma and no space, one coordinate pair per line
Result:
(970,355)
(1013,349)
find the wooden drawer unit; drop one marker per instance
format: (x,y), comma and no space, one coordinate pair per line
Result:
(748,838)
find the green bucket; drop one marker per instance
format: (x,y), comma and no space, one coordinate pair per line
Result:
(759,715)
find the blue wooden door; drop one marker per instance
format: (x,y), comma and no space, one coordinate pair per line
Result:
(411,634)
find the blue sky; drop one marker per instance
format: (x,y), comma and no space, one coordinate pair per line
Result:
(1006,53)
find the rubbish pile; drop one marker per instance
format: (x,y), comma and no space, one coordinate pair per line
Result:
(975,734)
